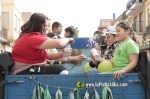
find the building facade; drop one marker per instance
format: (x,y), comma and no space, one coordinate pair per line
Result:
(3,32)
(139,16)
(104,23)
(137,13)
(11,21)
(147,22)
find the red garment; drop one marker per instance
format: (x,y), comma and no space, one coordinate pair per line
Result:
(26,49)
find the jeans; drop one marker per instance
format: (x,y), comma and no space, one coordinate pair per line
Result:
(95,71)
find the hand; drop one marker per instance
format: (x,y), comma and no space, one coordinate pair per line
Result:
(71,40)
(78,58)
(82,56)
(118,73)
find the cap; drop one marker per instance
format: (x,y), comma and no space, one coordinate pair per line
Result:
(110,32)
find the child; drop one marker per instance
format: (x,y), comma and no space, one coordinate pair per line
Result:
(76,56)
(57,28)
(126,55)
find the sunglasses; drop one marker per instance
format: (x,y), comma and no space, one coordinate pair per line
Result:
(124,23)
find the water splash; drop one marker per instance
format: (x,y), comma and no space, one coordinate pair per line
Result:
(90,43)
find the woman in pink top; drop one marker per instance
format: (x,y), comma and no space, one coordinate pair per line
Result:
(29,49)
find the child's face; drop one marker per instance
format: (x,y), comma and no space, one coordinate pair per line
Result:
(122,34)
(58,30)
(66,34)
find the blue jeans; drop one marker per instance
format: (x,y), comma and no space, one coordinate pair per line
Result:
(95,71)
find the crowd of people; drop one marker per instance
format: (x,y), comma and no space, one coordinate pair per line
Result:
(120,49)
(36,52)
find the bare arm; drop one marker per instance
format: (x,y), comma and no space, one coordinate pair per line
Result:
(73,58)
(133,58)
(76,58)
(52,56)
(70,58)
(55,43)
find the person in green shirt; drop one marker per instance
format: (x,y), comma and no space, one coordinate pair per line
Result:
(126,55)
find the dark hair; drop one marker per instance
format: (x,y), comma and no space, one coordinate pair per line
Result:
(50,34)
(102,39)
(56,25)
(70,30)
(125,25)
(97,32)
(34,24)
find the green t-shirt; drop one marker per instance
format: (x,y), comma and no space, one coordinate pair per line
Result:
(121,58)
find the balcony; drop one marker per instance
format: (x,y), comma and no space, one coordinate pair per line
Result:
(3,35)
(134,6)
(139,27)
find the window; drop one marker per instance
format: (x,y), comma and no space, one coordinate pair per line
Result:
(148,22)
(141,21)
(5,20)
(148,17)
(135,24)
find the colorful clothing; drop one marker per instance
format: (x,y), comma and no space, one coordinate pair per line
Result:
(122,52)
(109,51)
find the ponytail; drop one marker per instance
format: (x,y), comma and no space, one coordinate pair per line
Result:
(135,37)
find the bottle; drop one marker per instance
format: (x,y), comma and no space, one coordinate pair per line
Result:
(95,54)
(67,51)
